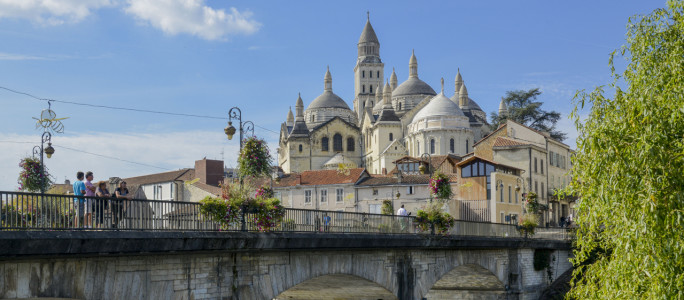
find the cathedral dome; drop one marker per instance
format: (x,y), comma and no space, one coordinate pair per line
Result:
(413,86)
(328,100)
(439,106)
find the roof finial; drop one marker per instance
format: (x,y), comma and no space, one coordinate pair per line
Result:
(368,15)
(442,85)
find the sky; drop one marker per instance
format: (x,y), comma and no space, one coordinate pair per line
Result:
(202,57)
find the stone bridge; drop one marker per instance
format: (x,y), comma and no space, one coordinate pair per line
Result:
(265,266)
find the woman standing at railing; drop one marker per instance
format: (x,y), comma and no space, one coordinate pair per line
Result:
(101,204)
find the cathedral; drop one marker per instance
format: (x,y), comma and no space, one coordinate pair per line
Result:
(389,120)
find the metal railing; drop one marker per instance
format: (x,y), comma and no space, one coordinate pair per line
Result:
(29,211)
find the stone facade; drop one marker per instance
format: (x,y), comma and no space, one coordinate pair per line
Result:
(404,274)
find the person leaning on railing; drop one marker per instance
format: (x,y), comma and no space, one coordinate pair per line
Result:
(119,203)
(101,203)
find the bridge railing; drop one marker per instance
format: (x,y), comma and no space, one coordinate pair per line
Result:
(30,211)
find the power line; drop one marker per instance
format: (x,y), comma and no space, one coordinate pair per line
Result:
(91,153)
(111,157)
(124,108)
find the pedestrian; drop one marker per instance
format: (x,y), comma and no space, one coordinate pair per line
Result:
(121,194)
(101,203)
(79,202)
(401,212)
(326,222)
(90,194)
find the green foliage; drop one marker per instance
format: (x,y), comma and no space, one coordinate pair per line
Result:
(440,187)
(628,169)
(542,259)
(30,177)
(532,204)
(523,108)
(387,207)
(263,211)
(527,224)
(433,214)
(255,159)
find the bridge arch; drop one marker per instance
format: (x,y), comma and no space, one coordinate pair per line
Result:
(337,286)
(467,281)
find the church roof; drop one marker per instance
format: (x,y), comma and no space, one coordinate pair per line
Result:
(328,100)
(440,105)
(299,129)
(335,118)
(413,86)
(388,115)
(368,34)
(337,159)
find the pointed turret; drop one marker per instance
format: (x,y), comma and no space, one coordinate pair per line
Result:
(458,82)
(503,109)
(369,45)
(290,117)
(328,80)
(413,65)
(300,128)
(378,94)
(387,95)
(463,97)
(387,114)
(393,80)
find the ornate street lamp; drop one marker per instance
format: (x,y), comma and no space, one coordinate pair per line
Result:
(39,150)
(236,113)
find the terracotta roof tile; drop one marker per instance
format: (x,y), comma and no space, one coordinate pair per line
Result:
(506,142)
(182,174)
(389,180)
(321,177)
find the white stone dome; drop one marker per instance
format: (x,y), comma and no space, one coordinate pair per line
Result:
(413,86)
(328,100)
(439,106)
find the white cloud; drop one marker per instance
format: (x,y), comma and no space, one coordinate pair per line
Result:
(192,17)
(169,150)
(12,56)
(51,12)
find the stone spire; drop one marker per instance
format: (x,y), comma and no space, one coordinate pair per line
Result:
(503,109)
(368,45)
(458,82)
(442,81)
(463,97)
(299,108)
(290,117)
(299,128)
(328,80)
(378,94)
(413,65)
(387,95)
(393,80)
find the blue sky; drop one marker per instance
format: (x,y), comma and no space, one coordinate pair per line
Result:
(203,57)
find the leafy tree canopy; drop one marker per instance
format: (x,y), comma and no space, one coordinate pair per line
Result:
(524,109)
(628,169)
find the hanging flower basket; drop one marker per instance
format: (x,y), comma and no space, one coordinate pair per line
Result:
(255,159)
(30,178)
(441,220)
(440,187)
(261,210)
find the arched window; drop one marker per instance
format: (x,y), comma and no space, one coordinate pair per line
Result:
(300,147)
(378,74)
(337,142)
(313,118)
(363,88)
(399,104)
(451,145)
(391,137)
(363,74)
(467,146)
(418,148)
(432,146)
(324,143)
(350,144)
(371,88)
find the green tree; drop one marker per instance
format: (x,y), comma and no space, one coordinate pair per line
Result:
(524,109)
(628,169)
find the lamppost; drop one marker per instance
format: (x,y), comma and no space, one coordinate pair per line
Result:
(236,113)
(39,150)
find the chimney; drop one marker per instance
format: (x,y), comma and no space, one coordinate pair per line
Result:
(209,171)
(298,179)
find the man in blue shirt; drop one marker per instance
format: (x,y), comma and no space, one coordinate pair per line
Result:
(79,203)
